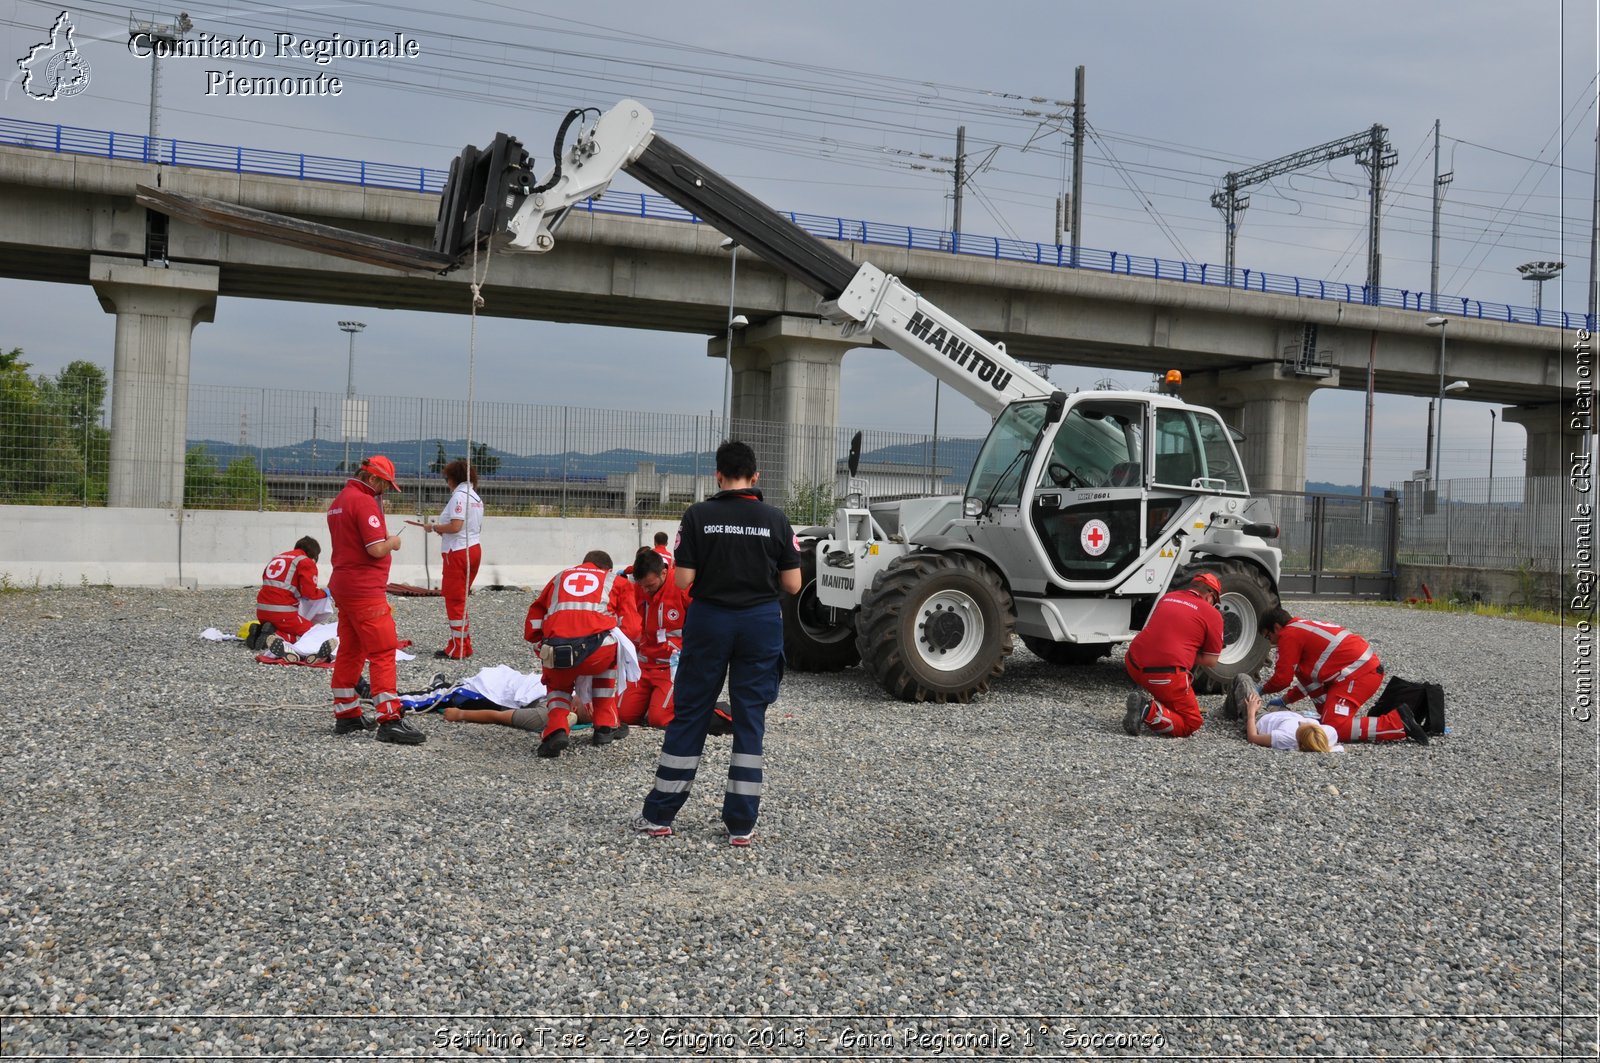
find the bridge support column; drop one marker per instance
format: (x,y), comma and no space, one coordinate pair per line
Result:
(786,399)
(157,309)
(1269,405)
(1552,441)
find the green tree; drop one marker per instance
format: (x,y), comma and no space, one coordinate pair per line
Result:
(485,463)
(41,461)
(205,487)
(439,460)
(74,401)
(809,502)
(199,477)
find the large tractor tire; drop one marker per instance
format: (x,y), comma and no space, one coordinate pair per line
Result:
(815,637)
(1066,654)
(936,627)
(1247,594)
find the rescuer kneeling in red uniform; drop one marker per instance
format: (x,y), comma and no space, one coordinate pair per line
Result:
(1184,630)
(574,623)
(1339,672)
(664,605)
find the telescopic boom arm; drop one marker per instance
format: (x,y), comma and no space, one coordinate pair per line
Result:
(491,196)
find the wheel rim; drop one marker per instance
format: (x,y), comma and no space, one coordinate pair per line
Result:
(1239,627)
(816,619)
(950,631)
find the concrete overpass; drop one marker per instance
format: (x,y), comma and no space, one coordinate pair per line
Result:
(1255,356)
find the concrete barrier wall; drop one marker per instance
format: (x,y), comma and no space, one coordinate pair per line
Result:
(68,546)
(1538,590)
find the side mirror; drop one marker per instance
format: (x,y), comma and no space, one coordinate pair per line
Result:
(855,454)
(1054,407)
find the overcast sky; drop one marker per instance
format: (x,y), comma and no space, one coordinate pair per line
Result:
(851,109)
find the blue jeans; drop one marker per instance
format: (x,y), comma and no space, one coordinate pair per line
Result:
(745,647)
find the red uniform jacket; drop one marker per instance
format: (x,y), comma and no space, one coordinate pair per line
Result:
(663,622)
(1318,655)
(288,578)
(583,600)
(355,521)
(1182,626)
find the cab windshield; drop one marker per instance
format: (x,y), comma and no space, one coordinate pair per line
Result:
(997,475)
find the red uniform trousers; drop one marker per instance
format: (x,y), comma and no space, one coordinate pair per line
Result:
(1174,711)
(366,638)
(1340,704)
(290,625)
(649,701)
(601,666)
(460,569)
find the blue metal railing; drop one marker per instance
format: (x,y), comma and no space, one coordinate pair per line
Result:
(140,148)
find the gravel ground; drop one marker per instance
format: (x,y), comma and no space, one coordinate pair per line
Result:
(193,864)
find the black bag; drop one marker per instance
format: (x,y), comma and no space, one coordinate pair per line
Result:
(569,652)
(1426,701)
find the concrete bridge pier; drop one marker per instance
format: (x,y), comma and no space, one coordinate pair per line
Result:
(157,309)
(1268,403)
(1553,443)
(786,370)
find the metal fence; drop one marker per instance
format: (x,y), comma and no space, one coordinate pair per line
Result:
(238,159)
(1508,523)
(251,448)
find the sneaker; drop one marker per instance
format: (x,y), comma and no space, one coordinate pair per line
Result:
(1414,730)
(1239,692)
(438,682)
(326,651)
(741,841)
(604,736)
(653,830)
(1138,705)
(348,725)
(553,745)
(278,648)
(400,733)
(363,689)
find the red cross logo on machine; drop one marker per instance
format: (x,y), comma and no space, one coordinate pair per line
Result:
(1096,537)
(580,584)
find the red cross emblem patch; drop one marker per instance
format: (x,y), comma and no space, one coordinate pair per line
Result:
(1096,537)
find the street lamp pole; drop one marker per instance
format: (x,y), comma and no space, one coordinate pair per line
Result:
(352,327)
(1443,325)
(1491,455)
(735,321)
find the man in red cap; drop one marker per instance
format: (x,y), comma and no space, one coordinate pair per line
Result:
(1184,630)
(361,548)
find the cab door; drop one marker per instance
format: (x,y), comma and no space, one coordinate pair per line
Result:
(1088,508)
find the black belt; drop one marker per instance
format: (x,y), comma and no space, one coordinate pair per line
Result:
(1162,668)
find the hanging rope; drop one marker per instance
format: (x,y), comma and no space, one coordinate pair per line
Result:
(478,281)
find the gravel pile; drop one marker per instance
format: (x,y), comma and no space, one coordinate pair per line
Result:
(193,864)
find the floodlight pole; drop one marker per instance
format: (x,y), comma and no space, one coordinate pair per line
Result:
(352,327)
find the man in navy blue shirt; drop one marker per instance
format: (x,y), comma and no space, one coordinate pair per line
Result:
(736,554)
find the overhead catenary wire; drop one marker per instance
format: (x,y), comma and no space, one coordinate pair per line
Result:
(838,115)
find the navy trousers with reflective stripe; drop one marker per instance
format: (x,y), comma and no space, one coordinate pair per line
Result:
(745,646)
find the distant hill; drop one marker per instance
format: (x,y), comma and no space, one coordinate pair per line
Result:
(325,456)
